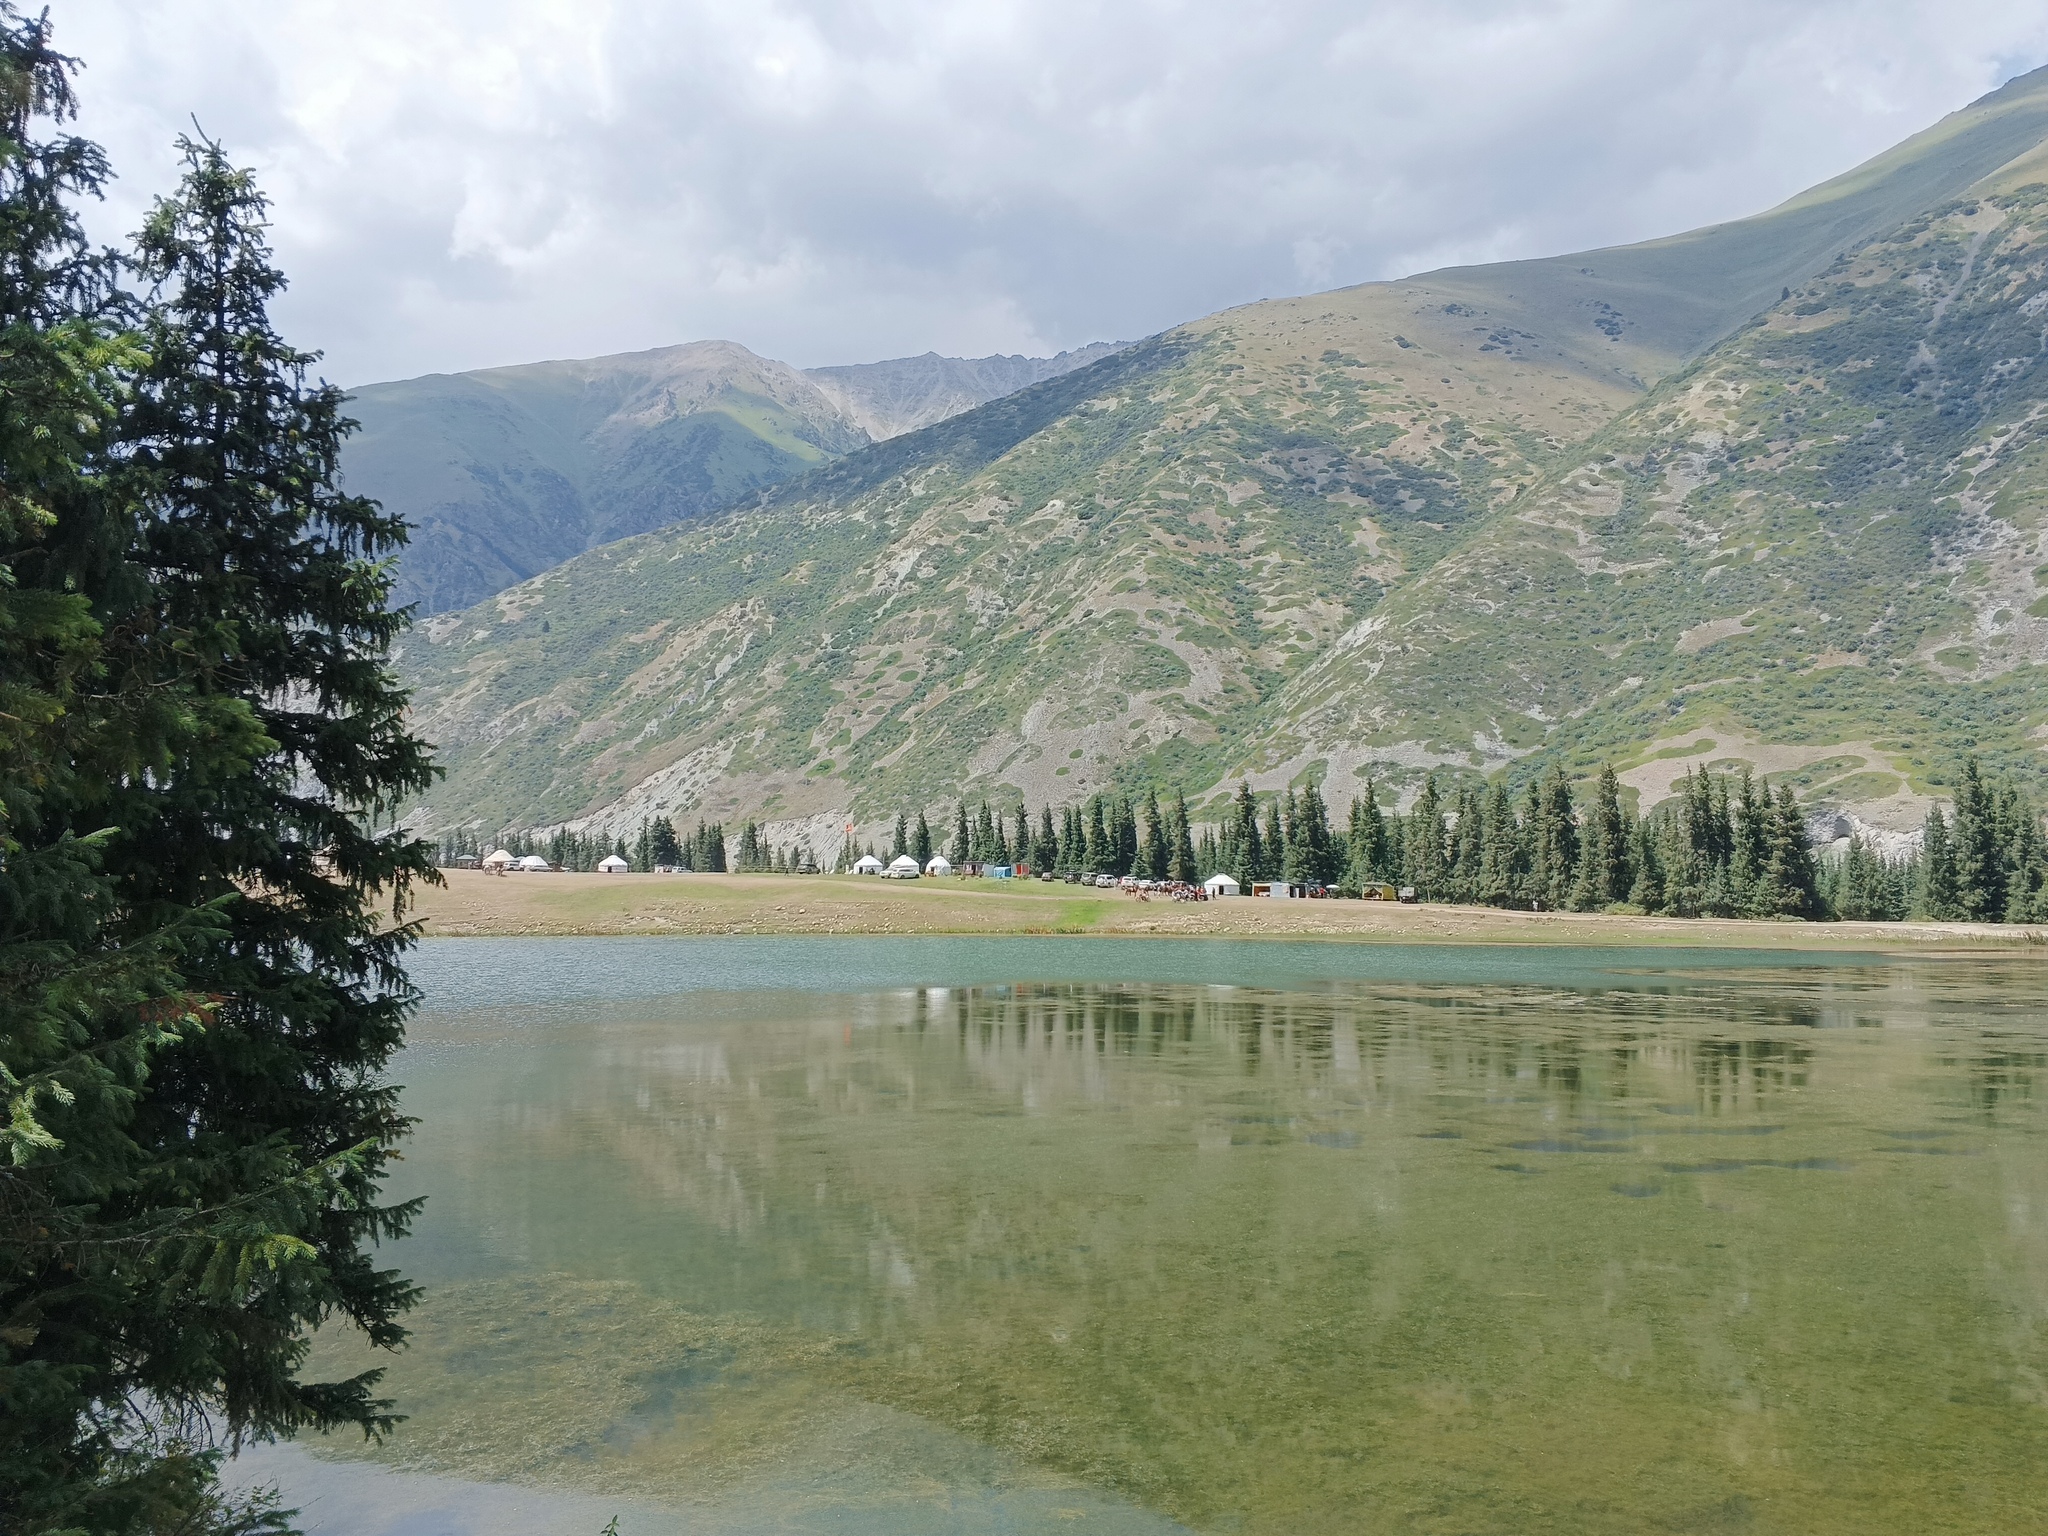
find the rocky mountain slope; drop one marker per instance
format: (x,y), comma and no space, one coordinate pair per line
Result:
(886,400)
(505,472)
(1768,492)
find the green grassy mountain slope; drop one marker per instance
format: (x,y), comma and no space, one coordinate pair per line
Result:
(1434,522)
(505,472)
(1824,538)
(1670,299)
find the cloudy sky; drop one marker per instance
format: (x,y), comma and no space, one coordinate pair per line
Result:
(460,183)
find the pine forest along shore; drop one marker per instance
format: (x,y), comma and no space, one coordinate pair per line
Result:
(472,904)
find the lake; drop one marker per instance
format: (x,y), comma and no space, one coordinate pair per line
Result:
(1035,1235)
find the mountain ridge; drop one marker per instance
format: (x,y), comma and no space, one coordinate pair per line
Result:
(504,472)
(1359,531)
(904,394)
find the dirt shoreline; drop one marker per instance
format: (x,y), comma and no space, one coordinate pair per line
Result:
(476,905)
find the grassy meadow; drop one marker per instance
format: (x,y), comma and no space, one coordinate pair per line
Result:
(472,904)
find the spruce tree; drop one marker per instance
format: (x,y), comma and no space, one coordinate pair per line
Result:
(1423,842)
(1750,836)
(1939,898)
(1789,877)
(91,993)
(1020,837)
(1500,854)
(1295,863)
(1864,886)
(664,842)
(2026,859)
(1553,842)
(1186,864)
(282,583)
(181,1201)
(921,842)
(1980,862)
(1466,846)
(1152,846)
(1099,854)
(1272,844)
(1371,856)
(1602,877)
(1245,838)
(1126,836)
(1646,866)
(1313,855)
(1681,847)
(1722,898)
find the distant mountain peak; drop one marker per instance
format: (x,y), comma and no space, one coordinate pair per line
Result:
(504,472)
(904,394)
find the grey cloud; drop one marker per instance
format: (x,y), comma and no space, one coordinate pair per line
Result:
(465,183)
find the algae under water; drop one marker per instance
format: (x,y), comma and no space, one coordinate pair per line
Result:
(1561,1242)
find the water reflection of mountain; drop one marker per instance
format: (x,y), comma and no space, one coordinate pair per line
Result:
(1236,1252)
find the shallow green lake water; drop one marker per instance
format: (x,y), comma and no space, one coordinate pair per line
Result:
(1084,1235)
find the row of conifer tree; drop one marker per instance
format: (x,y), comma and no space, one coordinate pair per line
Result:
(1721,846)
(1106,834)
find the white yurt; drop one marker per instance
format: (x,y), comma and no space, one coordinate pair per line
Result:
(867,864)
(534,863)
(902,867)
(940,865)
(1222,885)
(612,864)
(498,858)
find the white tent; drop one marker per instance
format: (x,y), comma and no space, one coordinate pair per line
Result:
(534,861)
(1222,885)
(940,865)
(902,867)
(612,864)
(498,859)
(867,864)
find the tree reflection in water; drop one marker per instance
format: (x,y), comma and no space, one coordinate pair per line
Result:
(1375,1256)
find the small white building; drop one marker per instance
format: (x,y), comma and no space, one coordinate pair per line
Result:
(867,864)
(612,864)
(1222,885)
(533,863)
(940,865)
(498,859)
(902,867)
